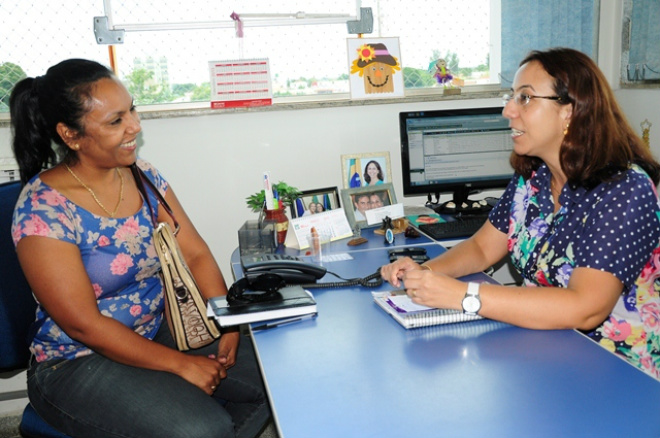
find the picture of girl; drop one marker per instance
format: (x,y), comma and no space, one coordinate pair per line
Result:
(373,174)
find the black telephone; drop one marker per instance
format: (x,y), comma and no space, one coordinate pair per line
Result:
(291,268)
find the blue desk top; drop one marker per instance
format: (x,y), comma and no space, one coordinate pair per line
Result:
(355,372)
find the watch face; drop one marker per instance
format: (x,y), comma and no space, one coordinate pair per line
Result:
(471,304)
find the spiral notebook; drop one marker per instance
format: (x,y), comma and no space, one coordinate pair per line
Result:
(411,315)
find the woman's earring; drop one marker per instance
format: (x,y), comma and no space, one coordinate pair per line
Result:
(566,128)
(77,146)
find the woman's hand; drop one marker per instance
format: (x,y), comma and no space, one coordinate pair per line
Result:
(227,348)
(395,271)
(434,289)
(203,372)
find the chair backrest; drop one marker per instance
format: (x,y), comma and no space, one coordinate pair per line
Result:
(17,305)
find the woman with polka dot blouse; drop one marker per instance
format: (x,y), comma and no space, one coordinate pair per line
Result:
(580,219)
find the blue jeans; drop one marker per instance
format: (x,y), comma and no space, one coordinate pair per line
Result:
(93,396)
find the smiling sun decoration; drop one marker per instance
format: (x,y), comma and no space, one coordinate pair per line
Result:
(375,64)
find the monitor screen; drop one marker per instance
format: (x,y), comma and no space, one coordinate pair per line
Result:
(458,151)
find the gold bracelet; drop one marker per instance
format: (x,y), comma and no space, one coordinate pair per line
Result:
(427,267)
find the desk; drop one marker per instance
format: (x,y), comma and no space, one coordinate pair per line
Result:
(354,372)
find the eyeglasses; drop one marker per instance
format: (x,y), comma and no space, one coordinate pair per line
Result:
(523,99)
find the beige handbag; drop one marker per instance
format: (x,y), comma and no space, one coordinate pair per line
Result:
(185,308)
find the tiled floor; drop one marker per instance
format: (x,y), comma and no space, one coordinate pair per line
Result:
(9,426)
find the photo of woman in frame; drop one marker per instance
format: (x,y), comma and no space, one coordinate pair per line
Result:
(366,170)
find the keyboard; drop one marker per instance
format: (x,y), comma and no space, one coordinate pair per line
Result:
(464,226)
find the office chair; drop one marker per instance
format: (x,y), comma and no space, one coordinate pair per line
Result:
(17,307)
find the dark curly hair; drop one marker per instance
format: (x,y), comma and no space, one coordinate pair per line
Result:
(600,141)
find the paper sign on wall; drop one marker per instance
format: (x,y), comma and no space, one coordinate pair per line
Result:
(240,83)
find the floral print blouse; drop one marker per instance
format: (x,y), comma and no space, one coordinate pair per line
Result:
(118,255)
(614,227)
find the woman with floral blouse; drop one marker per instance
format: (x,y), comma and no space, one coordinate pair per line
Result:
(104,363)
(580,220)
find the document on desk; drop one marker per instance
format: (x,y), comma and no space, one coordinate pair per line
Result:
(294,301)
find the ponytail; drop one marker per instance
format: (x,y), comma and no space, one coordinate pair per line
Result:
(38,105)
(32,141)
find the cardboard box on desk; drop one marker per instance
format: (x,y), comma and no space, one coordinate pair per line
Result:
(257,238)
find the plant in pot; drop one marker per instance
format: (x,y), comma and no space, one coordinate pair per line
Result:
(286,195)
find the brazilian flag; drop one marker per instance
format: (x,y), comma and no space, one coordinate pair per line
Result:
(299,207)
(354,179)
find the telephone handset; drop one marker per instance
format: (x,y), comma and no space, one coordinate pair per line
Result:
(417,254)
(295,271)
(291,268)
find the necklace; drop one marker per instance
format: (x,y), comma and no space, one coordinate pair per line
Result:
(553,187)
(91,192)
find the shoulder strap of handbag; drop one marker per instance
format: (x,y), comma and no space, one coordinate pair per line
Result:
(140,179)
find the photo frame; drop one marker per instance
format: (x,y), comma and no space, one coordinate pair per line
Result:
(374,66)
(354,169)
(327,198)
(358,200)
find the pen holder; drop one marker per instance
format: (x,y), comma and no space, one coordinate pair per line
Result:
(257,238)
(280,221)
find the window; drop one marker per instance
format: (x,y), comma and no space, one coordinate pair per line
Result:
(307,61)
(641,52)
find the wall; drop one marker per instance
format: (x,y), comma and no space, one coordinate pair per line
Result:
(640,105)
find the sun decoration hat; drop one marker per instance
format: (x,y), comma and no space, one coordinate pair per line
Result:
(370,53)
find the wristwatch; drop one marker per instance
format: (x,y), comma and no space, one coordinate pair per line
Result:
(472,303)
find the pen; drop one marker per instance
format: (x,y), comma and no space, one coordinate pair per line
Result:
(282,322)
(268,191)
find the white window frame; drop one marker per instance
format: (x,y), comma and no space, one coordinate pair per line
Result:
(296,102)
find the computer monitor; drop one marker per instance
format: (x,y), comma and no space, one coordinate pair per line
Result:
(458,151)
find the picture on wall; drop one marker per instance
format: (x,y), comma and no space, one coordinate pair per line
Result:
(315,201)
(358,200)
(365,170)
(375,68)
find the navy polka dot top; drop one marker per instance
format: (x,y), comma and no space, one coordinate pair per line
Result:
(614,227)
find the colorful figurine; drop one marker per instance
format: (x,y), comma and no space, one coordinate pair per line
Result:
(441,72)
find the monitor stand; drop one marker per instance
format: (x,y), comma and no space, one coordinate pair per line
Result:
(460,204)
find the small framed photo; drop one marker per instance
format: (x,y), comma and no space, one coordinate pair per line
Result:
(315,201)
(366,170)
(358,200)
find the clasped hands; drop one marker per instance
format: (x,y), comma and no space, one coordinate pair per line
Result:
(207,372)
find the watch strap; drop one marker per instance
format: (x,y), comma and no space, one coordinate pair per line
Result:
(473,289)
